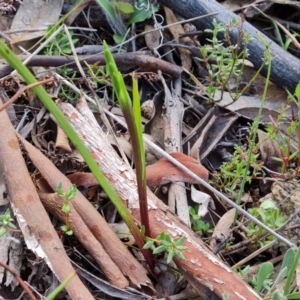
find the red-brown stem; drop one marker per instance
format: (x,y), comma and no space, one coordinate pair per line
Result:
(19,279)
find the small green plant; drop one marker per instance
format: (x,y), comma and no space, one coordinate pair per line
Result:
(200,227)
(97,74)
(6,221)
(231,173)
(16,63)
(60,45)
(56,291)
(296,100)
(283,39)
(65,92)
(289,150)
(269,214)
(67,197)
(164,243)
(132,113)
(224,62)
(265,284)
(116,11)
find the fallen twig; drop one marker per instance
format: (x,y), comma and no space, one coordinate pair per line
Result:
(38,231)
(21,91)
(19,279)
(131,59)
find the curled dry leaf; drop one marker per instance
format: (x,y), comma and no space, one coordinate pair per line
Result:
(164,171)
(159,173)
(203,199)
(223,227)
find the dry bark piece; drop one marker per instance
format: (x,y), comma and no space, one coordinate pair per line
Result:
(33,220)
(172,117)
(83,179)
(53,204)
(155,127)
(177,30)
(208,275)
(62,141)
(94,221)
(208,132)
(223,226)
(269,149)
(41,13)
(152,39)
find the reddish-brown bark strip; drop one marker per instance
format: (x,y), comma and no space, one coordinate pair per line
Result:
(200,264)
(94,221)
(34,221)
(53,204)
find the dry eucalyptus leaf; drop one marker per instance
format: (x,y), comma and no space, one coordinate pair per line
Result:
(203,199)
(152,39)
(62,141)
(223,226)
(177,30)
(35,14)
(164,171)
(268,150)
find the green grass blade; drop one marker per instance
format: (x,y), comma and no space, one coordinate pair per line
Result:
(113,17)
(61,287)
(15,62)
(132,116)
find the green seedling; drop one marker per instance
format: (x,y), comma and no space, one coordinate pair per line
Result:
(141,12)
(200,227)
(296,100)
(224,62)
(6,221)
(265,284)
(115,12)
(61,287)
(67,197)
(269,288)
(60,45)
(268,213)
(132,113)
(231,174)
(254,127)
(289,139)
(284,40)
(164,243)
(28,77)
(97,75)
(65,92)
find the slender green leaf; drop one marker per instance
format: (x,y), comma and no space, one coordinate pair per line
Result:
(125,7)
(15,62)
(114,19)
(288,259)
(291,273)
(2,231)
(264,273)
(159,249)
(295,295)
(170,256)
(297,91)
(61,287)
